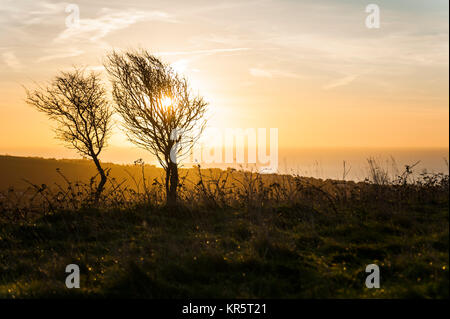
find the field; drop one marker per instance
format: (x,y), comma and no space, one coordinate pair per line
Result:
(235,234)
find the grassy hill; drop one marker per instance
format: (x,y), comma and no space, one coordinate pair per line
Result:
(251,236)
(14,169)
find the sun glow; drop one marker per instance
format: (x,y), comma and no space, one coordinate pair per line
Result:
(166,102)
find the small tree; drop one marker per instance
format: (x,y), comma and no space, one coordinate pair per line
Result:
(159,112)
(78,104)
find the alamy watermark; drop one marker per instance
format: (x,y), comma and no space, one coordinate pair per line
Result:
(73,279)
(373,19)
(73,19)
(257,146)
(373,280)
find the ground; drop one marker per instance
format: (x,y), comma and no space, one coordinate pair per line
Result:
(288,251)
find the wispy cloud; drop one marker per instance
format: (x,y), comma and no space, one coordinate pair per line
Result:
(182,64)
(269,73)
(41,13)
(63,54)
(10,59)
(109,21)
(340,82)
(210,51)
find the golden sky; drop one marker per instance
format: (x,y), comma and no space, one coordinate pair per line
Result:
(312,69)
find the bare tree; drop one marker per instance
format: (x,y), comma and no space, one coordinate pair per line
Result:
(78,104)
(159,112)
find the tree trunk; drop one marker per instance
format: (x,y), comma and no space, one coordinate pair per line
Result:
(171,184)
(167,183)
(102,183)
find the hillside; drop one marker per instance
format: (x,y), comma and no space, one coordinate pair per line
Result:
(232,235)
(14,169)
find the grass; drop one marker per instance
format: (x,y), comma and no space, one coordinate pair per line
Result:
(297,239)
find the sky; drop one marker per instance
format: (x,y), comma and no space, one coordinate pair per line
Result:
(312,69)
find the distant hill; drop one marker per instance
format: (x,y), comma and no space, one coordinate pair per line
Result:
(14,169)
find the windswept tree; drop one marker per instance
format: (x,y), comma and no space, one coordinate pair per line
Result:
(77,102)
(159,111)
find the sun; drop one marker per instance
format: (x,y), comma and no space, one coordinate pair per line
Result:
(166,102)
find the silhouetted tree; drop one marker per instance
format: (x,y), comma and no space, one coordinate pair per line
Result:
(78,104)
(160,114)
